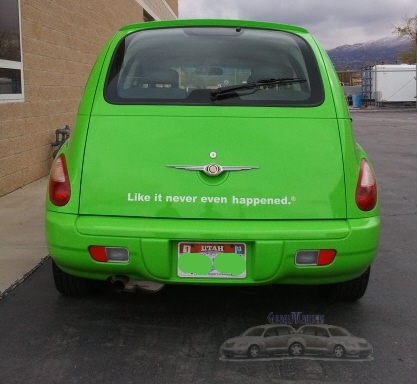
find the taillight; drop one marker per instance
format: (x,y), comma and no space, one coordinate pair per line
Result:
(315,257)
(366,191)
(109,254)
(59,186)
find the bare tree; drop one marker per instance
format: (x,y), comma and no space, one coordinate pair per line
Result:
(409,30)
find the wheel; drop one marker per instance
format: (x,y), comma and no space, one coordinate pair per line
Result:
(70,285)
(253,351)
(351,290)
(296,349)
(339,351)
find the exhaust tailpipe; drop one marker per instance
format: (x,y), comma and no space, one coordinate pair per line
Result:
(124,283)
(118,283)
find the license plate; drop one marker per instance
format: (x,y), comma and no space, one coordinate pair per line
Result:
(213,260)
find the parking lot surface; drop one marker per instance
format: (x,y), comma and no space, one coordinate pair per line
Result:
(174,336)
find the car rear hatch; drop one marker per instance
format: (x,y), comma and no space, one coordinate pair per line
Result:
(246,101)
(147,165)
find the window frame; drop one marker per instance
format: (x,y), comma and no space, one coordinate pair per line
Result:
(18,65)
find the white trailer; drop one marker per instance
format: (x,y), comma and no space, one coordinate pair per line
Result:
(390,83)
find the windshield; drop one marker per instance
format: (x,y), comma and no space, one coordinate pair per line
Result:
(212,65)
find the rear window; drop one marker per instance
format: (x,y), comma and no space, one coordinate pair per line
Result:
(212,65)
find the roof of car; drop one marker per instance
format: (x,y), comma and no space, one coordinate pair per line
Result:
(271,325)
(213,22)
(327,326)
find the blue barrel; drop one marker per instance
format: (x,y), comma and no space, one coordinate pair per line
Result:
(357,100)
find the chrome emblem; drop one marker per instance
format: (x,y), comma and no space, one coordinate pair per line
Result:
(212,169)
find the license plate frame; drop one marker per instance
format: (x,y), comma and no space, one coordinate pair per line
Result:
(233,259)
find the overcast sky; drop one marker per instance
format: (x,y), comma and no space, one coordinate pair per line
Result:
(332,22)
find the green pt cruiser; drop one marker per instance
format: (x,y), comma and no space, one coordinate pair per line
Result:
(212,152)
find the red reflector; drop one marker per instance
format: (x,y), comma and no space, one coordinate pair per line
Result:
(98,253)
(366,191)
(326,256)
(59,186)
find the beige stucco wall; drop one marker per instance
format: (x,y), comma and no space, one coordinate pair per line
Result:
(173,4)
(60,42)
(161,9)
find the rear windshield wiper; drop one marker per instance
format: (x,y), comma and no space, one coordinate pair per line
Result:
(254,84)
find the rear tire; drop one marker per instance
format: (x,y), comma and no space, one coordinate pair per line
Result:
(70,285)
(351,290)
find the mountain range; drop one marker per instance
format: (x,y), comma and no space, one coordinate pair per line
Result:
(356,56)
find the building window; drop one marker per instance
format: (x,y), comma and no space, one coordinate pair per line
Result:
(11,68)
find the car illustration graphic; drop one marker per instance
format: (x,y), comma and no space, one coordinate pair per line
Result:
(308,341)
(328,340)
(263,340)
(212,152)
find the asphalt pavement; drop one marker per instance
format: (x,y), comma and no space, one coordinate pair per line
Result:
(174,336)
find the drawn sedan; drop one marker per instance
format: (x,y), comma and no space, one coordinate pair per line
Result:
(260,340)
(328,340)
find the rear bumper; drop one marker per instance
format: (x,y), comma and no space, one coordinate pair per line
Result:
(271,247)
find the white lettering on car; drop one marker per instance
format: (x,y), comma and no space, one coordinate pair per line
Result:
(138,197)
(247,201)
(217,248)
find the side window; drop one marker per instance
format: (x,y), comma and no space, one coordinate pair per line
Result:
(309,331)
(254,332)
(339,332)
(322,332)
(284,331)
(270,332)
(11,84)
